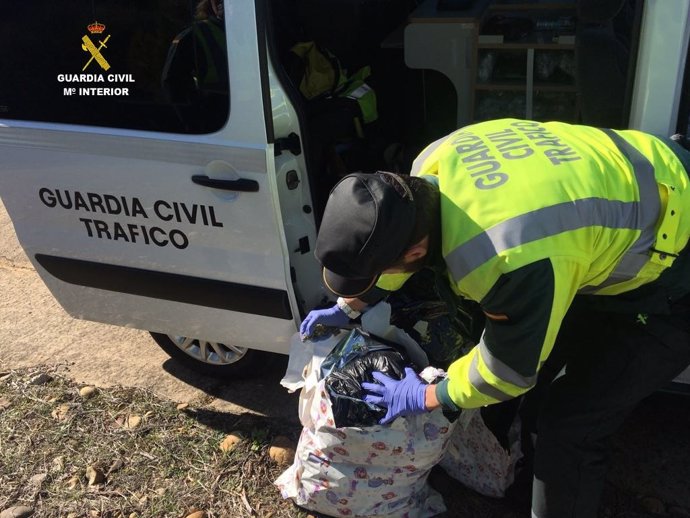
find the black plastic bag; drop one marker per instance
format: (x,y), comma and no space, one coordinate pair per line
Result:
(351,363)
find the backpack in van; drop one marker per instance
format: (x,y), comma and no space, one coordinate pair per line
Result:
(315,70)
(319,74)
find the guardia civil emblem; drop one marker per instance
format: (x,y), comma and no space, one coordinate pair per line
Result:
(95,28)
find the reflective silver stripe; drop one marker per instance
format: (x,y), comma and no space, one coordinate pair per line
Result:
(482,386)
(650,207)
(572,215)
(538,224)
(417,164)
(503,371)
(628,267)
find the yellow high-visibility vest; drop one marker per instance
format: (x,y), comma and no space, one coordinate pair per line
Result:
(514,192)
(613,206)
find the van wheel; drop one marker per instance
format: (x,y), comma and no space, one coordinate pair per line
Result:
(210,358)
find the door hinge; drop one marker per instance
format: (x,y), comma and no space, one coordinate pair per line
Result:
(290,143)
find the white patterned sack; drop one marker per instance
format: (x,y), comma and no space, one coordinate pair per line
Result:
(362,471)
(476,458)
(371,471)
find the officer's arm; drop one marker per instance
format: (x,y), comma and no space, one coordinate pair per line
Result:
(524,311)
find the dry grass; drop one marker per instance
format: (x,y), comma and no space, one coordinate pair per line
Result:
(158,460)
(168,465)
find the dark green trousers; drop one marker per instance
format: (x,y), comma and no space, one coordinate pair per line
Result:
(612,361)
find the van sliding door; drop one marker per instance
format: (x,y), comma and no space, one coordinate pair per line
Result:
(133,163)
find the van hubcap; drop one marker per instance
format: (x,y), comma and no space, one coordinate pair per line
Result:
(214,353)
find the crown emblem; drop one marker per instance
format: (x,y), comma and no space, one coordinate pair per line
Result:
(96,27)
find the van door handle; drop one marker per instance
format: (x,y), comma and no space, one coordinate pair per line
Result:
(242,184)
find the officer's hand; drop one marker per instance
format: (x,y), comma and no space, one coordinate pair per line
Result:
(329,317)
(401,397)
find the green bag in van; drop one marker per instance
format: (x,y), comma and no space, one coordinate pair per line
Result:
(319,73)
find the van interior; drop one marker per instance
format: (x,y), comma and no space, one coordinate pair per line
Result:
(436,65)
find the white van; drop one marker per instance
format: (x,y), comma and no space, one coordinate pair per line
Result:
(165,167)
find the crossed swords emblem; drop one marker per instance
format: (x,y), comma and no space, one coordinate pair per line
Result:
(89,46)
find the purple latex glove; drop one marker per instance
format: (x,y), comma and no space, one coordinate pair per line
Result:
(329,317)
(401,397)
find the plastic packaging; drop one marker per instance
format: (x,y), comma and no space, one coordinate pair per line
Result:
(350,364)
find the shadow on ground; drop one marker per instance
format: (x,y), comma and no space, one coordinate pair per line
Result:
(261,393)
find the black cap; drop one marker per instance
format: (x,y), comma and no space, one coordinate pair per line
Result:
(367,225)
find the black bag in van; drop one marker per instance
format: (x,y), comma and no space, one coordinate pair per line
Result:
(452,325)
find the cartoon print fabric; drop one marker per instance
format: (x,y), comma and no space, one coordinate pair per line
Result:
(476,458)
(370,471)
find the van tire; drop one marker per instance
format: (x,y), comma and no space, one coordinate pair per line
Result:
(240,362)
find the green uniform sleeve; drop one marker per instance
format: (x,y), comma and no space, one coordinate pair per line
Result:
(524,312)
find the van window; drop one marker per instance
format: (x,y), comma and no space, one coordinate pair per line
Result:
(136,64)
